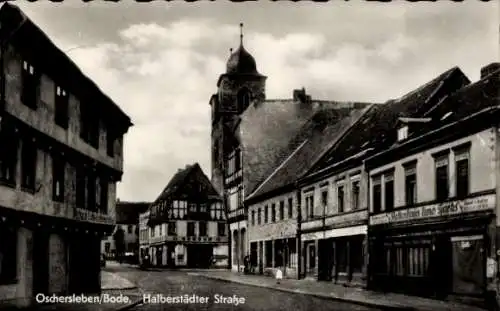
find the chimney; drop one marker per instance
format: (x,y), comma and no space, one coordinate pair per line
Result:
(489,69)
(300,95)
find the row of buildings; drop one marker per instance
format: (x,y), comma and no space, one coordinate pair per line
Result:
(398,196)
(186,225)
(61,155)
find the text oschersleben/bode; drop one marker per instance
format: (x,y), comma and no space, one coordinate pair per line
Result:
(192,299)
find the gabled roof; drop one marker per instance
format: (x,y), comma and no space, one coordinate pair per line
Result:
(127,213)
(317,136)
(474,103)
(376,129)
(266,129)
(178,184)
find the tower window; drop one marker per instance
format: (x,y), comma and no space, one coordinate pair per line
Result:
(243,99)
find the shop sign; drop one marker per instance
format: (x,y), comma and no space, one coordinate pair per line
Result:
(89,216)
(480,203)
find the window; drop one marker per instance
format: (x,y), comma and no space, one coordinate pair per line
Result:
(340,198)
(442,188)
(190,229)
(107,247)
(192,207)
(403,133)
(355,194)
(290,208)
(273,213)
(324,198)
(411,185)
(91,192)
(8,255)
(253,218)
(203,228)
(310,206)
(30,81)
(151,232)
(389,192)
(203,208)
(266,214)
(462,180)
(160,229)
(80,187)
(221,229)
(259,216)
(234,199)
(233,163)
(28,165)
(130,229)
(89,126)
(110,142)
(172,228)
(61,107)
(377,195)
(58,172)
(243,99)
(8,157)
(282,210)
(104,185)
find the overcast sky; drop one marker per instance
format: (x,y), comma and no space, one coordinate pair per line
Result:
(160,61)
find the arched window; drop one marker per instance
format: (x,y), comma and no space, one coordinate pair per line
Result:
(243,98)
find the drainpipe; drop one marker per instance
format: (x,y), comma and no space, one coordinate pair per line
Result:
(368,244)
(299,223)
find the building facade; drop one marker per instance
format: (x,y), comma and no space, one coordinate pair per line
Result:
(127,221)
(434,209)
(62,154)
(334,206)
(188,223)
(144,234)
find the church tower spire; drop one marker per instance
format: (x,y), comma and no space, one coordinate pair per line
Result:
(241,34)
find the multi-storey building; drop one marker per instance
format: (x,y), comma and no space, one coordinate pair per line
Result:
(251,137)
(61,155)
(272,207)
(144,233)
(127,221)
(334,207)
(434,197)
(188,223)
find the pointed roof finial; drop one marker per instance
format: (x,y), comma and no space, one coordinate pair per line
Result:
(241,33)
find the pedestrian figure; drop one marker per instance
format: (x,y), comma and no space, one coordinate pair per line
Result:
(279,276)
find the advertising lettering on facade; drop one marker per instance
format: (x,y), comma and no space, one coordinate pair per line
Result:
(481,203)
(86,215)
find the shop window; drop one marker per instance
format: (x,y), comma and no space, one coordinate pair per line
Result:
(411,185)
(462,180)
(356,256)
(442,188)
(341,252)
(389,192)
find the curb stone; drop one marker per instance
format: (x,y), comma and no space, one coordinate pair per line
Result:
(321,296)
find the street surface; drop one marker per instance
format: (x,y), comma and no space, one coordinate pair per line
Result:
(179,283)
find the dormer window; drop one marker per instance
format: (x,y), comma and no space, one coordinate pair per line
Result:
(403,133)
(243,99)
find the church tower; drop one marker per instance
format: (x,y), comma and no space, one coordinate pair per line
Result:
(237,88)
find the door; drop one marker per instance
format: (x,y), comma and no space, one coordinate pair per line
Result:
(261,260)
(40,262)
(311,259)
(468,275)
(324,254)
(159,255)
(442,266)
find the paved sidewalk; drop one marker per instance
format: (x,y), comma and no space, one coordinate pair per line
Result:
(110,280)
(385,301)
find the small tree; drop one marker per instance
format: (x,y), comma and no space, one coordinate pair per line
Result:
(119,237)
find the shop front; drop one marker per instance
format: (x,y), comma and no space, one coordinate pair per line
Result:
(436,250)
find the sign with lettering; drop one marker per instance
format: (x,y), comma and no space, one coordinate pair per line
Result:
(480,203)
(90,216)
